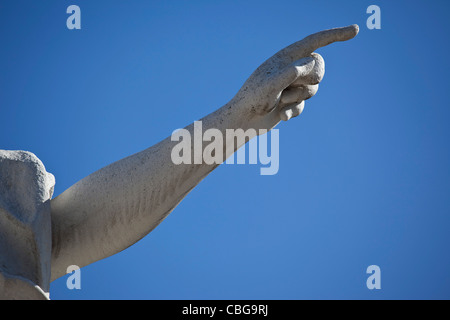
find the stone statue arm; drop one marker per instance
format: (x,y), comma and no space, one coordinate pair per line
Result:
(116,206)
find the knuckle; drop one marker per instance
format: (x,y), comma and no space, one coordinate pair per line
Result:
(311,90)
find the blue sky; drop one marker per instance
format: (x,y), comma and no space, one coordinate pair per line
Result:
(364,174)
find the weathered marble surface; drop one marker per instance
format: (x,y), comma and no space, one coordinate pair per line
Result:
(25,226)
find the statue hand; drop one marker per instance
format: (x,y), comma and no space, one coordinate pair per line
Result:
(281,84)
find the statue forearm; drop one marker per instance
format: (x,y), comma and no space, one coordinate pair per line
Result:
(119,204)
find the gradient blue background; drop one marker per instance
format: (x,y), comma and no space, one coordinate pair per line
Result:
(364,172)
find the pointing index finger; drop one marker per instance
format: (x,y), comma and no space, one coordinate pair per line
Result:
(317,40)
